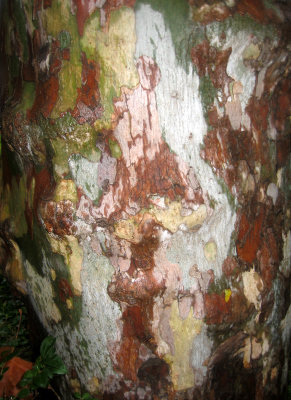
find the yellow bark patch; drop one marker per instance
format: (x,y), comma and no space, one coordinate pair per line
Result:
(184,332)
(210,251)
(93,385)
(251,52)
(171,217)
(66,190)
(53,274)
(114,51)
(69,304)
(73,255)
(128,229)
(227,294)
(56,19)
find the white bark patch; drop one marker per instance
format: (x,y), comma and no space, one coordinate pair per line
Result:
(42,297)
(85,175)
(187,248)
(90,343)
(252,287)
(236,69)
(183,127)
(202,346)
(272,191)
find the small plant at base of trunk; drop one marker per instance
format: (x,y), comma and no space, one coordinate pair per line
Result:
(47,365)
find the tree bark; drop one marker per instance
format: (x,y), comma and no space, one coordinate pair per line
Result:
(145,191)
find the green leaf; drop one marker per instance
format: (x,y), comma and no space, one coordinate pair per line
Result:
(86,396)
(47,347)
(42,379)
(56,365)
(25,382)
(29,374)
(28,377)
(23,393)
(50,374)
(60,370)
(77,395)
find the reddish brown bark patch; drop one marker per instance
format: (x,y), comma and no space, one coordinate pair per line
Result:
(127,357)
(65,290)
(66,54)
(82,13)
(249,236)
(44,187)
(199,56)
(142,253)
(45,98)
(58,218)
(88,107)
(229,266)
(225,149)
(255,9)
(216,308)
(133,322)
(209,60)
(258,110)
(218,151)
(84,10)
(160,176)
(239,309)
(136,330)
(28,72)
(282,103)
(218,74)
(139,287)
(136,289)
(268,257)
(47,83)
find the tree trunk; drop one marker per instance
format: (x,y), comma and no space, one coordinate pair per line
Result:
(145,180)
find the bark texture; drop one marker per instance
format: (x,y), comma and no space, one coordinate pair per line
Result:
(145,191)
